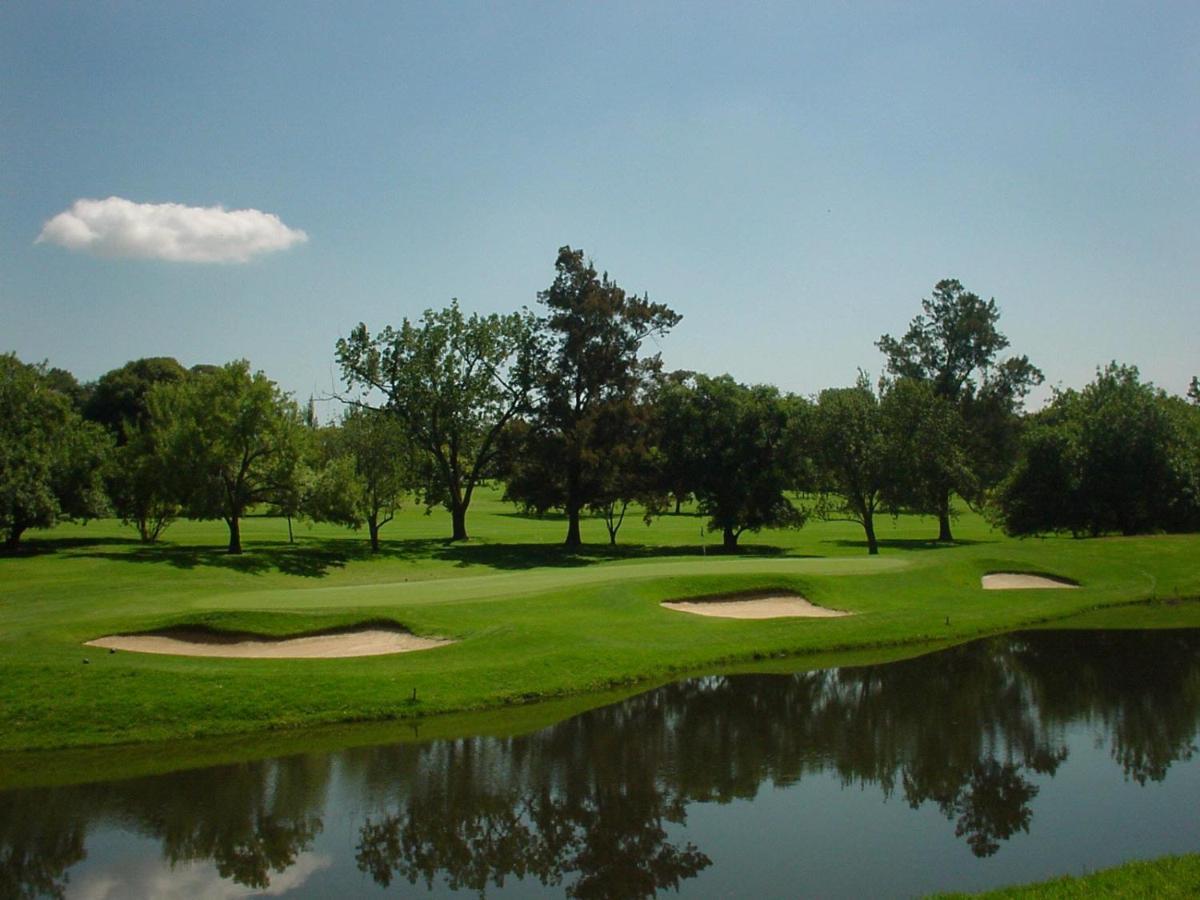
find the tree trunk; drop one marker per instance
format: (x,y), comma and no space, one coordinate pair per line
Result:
(729,538)
(458,517)
(573,537)
(13,538)
(678,504)
(291,538)
(869,528)
(373,529)
(235,534)
(944,535)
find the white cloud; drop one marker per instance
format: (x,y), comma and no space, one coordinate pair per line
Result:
(148,877)
(171,231)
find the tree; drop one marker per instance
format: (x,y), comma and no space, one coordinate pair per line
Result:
(927,447)
(51,460)
(141,482)
(68,385)
(592,374)
(454,382)
(1120,455)
(953,345)
(739,448)
(235,441)
(853,452)
(367,468)
(625,465)
(118,398)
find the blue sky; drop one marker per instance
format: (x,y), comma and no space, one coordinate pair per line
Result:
(792,178)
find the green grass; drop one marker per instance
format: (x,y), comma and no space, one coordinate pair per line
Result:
(531,621)
(1168,876)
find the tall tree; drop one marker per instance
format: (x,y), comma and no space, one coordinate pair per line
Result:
(739,448)
(853,453)
(953,346)
(141,482)
(927,446)
(51,460)
(235,441)
(593,333)
(454,381)
(367,468)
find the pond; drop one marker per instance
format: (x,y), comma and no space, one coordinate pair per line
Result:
(1001,761)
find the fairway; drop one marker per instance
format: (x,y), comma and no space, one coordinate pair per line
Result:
(530,620)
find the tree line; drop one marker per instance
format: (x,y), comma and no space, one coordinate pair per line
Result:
(569,411)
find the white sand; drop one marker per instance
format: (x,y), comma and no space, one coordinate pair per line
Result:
(1014,581)
(769,606)
(368,642)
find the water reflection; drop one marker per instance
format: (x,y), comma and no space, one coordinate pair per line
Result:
(595,806)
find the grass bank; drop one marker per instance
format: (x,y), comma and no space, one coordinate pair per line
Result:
(1168,876)
(531,621)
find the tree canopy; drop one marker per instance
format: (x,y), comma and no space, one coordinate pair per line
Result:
(953,345)
(854,453)
(140,482)
(454,381)
(592,373)
(234,441)
(1118,456)
(367,467)
(51,460)
(118,398)
(739,450)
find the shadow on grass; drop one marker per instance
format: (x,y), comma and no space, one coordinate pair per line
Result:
(44,546)
(307,559)
(318,558)
(906,544)
(548,516)
(529,556)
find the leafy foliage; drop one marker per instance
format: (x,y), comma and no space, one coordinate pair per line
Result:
(234,440)
(590,384)
(952,346)
(738,448)
(454,381)
(854,453)
(118,399)
(367,468)
(51,460)
(1120,455)
(140,482)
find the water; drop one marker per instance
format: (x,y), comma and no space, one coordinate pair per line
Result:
(1002,761)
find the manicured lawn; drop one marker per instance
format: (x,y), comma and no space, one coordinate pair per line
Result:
(531,620)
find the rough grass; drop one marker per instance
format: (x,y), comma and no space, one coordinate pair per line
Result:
(1168,876)
(532,620)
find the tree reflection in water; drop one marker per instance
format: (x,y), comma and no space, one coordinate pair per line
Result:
(595,804)
(250,820)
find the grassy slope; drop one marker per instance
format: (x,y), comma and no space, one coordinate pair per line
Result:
(532,621)
(1168,876)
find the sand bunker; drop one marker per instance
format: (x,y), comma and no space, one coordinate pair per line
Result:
(755,606)
(365,642)
(1013,581)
